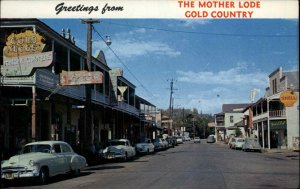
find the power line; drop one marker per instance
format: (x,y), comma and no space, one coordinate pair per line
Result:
(123,64)
(201,33)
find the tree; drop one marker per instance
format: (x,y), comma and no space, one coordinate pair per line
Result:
(238,132)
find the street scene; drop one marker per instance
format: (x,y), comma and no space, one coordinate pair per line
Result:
(189,165)
(149,103)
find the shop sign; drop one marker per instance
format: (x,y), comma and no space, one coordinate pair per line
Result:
(18,80)
(278,124)
(79,78)
(24,65)
(23,44)
(288,98)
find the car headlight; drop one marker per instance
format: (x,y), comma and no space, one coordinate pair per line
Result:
(32,163)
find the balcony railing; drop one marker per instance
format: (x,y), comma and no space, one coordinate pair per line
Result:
(277,113)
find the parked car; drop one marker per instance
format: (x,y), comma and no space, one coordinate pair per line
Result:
(251,144)
(144,146)
(165,143)
(187,138)
(170,142)
(238,143)
(41,160)
(160,144)
(179,139)
(210,139)
(118,149)
(197,140)
(231,142)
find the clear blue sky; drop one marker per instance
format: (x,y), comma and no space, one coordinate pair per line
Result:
(212,62)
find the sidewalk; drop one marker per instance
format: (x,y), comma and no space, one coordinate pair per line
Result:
(288,153)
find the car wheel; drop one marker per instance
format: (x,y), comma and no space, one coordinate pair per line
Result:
(43,176)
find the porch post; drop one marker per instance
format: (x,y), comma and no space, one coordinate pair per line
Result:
(269,145)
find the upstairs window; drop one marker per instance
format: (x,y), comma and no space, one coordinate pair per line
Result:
(231,119)
(274,86)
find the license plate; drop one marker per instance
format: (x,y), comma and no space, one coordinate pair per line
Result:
(9,176)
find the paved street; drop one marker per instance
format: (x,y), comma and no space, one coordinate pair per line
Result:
(189,166)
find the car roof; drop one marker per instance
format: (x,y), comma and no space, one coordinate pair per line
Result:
(122,140)
(49,142)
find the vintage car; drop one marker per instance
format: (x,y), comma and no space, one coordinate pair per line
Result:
(41,160)
(239,142)
(231,142)
(160,144)
(210,139)
(251,144)
(197,140)
(118,149)
(144,146)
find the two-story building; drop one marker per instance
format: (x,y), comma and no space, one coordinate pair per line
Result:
(277,125)
(37,104)
(227,121)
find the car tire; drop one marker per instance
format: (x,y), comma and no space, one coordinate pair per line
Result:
(43,176)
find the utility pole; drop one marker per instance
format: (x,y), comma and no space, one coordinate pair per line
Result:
(87,135)
(171,107)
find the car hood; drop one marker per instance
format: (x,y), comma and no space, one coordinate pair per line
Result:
(116,149)
(23,159)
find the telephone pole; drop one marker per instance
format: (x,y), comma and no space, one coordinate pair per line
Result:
(171,107)
(87,135)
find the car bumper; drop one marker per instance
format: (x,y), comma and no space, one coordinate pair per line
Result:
(112,156)
(11,174)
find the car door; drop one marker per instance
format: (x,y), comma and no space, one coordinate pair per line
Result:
(59,162)
(68,154)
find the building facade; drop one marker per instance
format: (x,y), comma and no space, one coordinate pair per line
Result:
(37,105)
(277,125)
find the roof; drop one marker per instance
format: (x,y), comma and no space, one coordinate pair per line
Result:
(234,108)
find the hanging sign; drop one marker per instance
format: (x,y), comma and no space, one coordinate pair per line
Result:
(288,98)
(80,77)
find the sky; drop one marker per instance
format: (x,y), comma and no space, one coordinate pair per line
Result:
(212,62)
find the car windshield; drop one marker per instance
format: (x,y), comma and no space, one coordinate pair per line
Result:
(45,148)
(116,143)
(240,140)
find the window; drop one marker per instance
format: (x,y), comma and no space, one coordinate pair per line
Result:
(231,119)
(65,148)
(274,86)
(56,148)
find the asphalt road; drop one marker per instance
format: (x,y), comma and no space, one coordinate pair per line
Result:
(189,166)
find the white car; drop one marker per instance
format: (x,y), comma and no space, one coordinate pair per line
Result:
(197,140)
(118,149)
(179,140)
(238,144)
(160,144)
(42,160)
(145,146)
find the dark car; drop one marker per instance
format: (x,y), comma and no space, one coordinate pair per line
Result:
(210,139)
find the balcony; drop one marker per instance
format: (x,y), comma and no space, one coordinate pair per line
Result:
(277,113)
